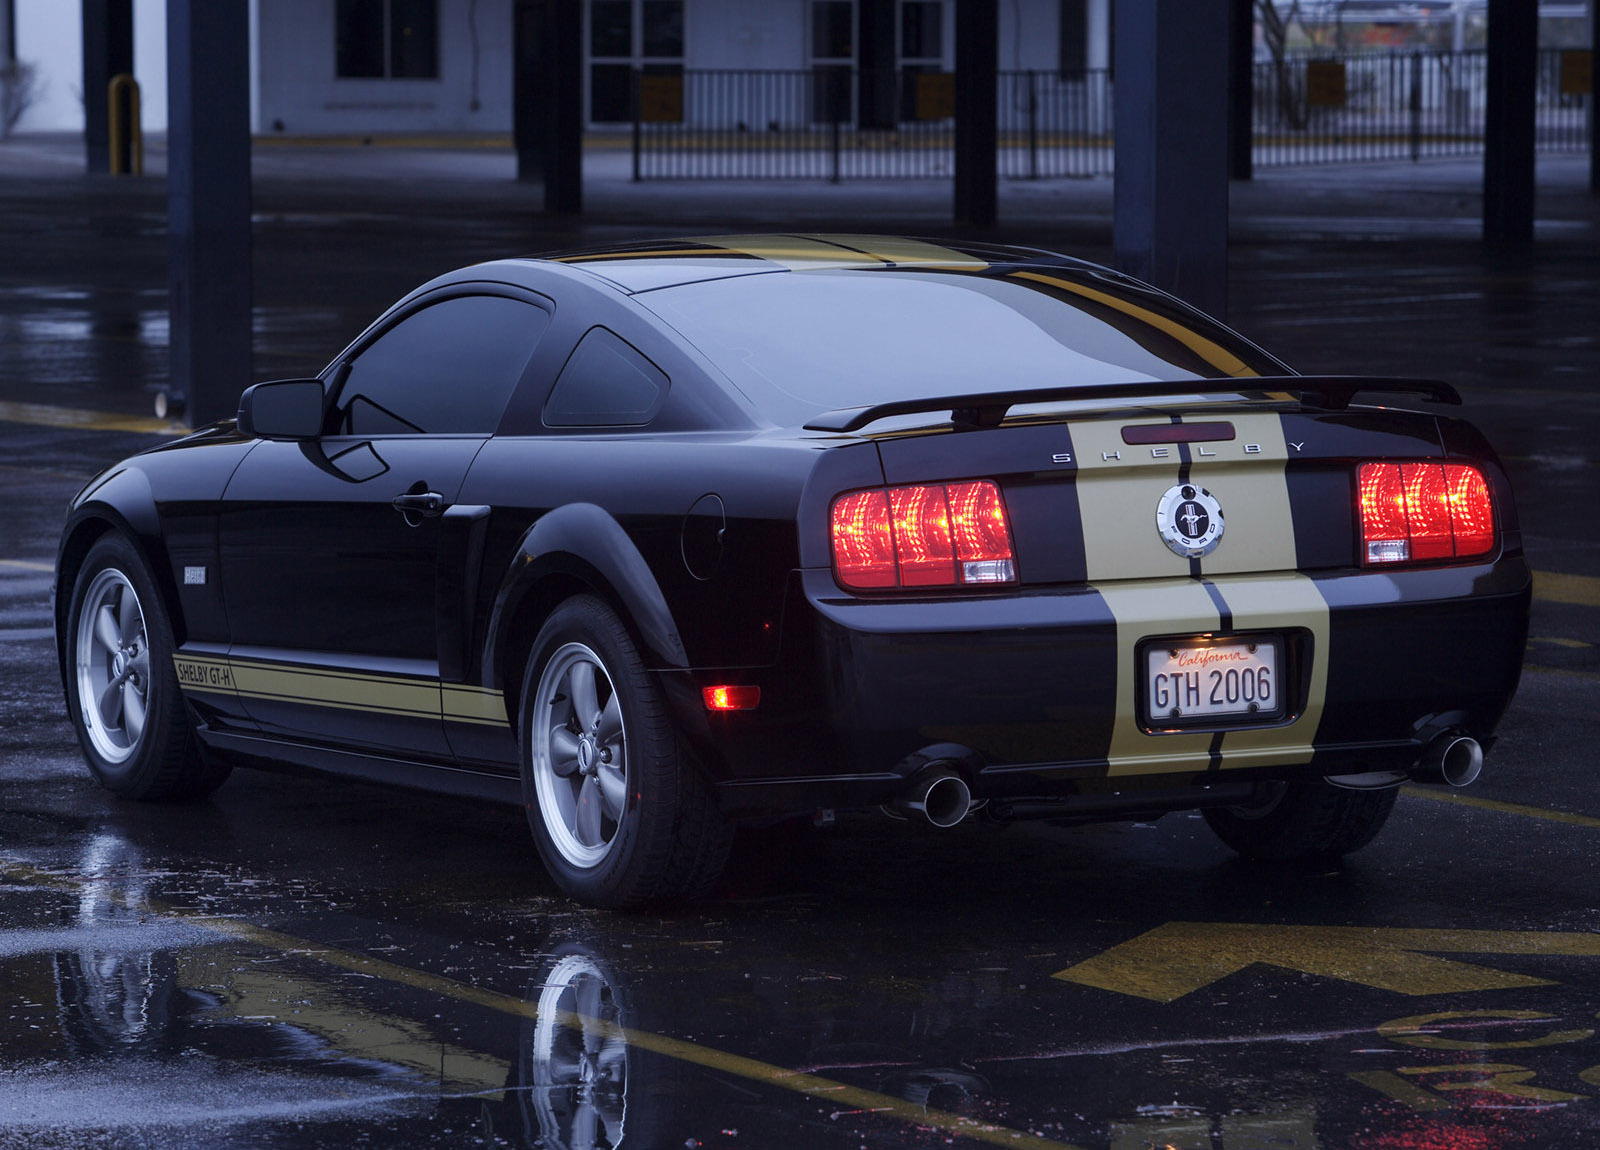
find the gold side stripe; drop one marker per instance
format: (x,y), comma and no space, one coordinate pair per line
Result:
(347,690)
(1209,350)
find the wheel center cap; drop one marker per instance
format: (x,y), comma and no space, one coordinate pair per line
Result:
(585,753)
(118,664)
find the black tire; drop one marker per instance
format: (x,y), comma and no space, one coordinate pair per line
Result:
(620,815)
(1304,820)
(122,690)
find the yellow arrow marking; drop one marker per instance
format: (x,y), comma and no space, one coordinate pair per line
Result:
(1173,960)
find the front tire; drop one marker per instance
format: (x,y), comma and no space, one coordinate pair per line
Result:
(1304,820)
(122,690)
(619,815)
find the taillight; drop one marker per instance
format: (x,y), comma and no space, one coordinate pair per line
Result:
(1415,512)
(922,535)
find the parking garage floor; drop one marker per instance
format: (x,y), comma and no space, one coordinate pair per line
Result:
(311,962)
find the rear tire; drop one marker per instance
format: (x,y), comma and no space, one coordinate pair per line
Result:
(620,815)
(1304,820)
(122,690)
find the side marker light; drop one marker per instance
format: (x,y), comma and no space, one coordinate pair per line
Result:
(731,698)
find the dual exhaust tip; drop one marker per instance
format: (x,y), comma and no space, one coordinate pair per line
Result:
(1453,758)
(942,798)
(939,795)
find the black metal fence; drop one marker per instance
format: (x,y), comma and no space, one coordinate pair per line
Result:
(838,123)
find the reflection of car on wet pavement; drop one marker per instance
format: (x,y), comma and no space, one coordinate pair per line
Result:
(655,540)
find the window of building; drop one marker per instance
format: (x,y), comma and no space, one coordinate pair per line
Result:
(921,53)
(629,35)
(387,39)
(833,59)
(448,368)
(606,383)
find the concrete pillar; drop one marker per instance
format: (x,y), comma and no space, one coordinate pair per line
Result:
(1241,88)
(8,31)
(547,99)
(1594,96)
(1170,218)
(107,51)
(977,111)
(1508,153)
(208,203)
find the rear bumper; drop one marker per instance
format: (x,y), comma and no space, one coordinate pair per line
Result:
(1033,694)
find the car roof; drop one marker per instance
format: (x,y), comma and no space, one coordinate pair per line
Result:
(641,267)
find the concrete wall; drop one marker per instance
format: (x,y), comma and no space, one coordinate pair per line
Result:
(50,36)
(299,93)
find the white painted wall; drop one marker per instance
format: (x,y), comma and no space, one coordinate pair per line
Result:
(50,36)
(299,93)
(746,33)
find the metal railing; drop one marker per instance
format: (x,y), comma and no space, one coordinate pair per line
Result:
(838,123)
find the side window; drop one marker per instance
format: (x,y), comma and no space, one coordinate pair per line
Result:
(606,383)
(450,367)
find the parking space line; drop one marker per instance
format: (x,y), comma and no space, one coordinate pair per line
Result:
(1559,587)
(27,565)
(1566,672)
(48,415)
(1503,808)
(846,1097)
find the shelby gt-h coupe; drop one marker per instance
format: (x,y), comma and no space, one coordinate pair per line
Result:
(659,540)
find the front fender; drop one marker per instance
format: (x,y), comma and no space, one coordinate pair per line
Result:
(581,542)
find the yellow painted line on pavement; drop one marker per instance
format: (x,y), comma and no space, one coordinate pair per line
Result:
(27,565)
(846,1097)
(1560,641)
(1562,671)
(1559,587)
(48,415)
(1503,808)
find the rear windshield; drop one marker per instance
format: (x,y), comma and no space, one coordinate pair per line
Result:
(800,343)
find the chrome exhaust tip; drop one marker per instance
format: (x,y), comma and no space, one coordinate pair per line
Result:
(1453,759)
(940,796)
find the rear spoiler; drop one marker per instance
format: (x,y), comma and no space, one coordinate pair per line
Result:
(1328,392)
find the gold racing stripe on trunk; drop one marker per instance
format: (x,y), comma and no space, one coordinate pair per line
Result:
(1150,590)
(1279,602)
(1153,607)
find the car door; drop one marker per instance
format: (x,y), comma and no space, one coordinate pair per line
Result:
(330,548)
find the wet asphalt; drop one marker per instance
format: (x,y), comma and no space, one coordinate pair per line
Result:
(307,962)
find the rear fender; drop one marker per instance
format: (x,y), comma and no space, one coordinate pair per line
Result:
(579,546)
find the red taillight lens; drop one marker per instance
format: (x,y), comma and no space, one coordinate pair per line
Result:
(863,542)
(923,535)
(1414,512)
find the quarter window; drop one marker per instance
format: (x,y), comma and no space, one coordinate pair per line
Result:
(606,383)
(387,39)
(449,368)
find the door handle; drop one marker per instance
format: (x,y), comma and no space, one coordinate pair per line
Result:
(419,504)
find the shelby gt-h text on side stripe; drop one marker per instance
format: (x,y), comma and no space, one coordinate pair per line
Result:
(662,539)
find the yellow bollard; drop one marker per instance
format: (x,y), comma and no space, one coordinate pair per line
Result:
(127,133)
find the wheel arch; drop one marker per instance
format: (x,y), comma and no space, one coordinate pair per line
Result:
(576,549)
(122,505)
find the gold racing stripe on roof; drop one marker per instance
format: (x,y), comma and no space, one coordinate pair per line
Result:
(1212,352)
(642,254)
(810,252)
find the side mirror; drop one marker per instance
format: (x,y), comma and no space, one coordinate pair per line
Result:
(283,409)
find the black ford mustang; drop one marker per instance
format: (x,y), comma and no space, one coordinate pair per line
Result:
(657,540)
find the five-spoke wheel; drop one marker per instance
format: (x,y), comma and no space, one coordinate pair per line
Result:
(112,663)
(122,690)
(619,813)
(579,750)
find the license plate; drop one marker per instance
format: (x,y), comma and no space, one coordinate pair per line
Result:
(1203,679)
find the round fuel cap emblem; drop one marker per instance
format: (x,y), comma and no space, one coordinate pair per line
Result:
(1189,519)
